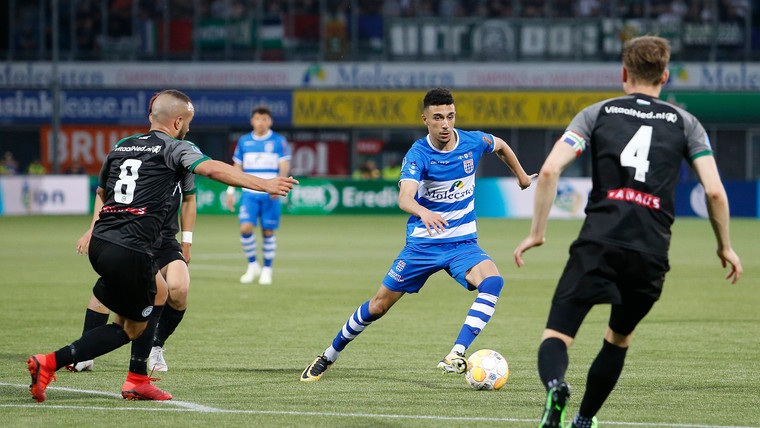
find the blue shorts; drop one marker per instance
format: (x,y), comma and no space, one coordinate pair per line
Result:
(417,262)
(256,205)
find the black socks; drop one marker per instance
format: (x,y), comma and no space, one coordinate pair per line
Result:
(96,342)
(602,377)
(552,360)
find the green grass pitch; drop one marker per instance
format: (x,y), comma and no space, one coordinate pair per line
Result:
(237,357)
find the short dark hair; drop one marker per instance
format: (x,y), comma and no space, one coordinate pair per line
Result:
(173,92)
(437,97)
(261,110)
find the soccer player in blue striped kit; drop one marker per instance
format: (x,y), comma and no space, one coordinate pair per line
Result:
(262,153)
(437,188)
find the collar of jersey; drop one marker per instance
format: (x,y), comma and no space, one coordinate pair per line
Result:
(456,133)
(262,138)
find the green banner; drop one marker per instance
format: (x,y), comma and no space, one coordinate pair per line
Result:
(211,197)
(719,107)
(314,196)
(215,33)
(325,196)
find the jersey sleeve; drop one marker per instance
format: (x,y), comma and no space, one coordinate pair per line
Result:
(188,184)
(578,132)
(103,175)
(185,154)
(489,143)
(237,156)
(697,140)
(412,166)
(285,153)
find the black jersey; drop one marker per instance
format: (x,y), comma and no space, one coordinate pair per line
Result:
(139,177)
(185,187)
(637,143)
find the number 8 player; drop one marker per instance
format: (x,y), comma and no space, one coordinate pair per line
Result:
(136,185)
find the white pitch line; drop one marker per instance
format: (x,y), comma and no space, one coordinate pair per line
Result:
(192,407)
(183,404)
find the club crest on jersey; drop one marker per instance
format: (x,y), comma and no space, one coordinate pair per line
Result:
(400,265)
(269,147)
(147,311)
(469,166)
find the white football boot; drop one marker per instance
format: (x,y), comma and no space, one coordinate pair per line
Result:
(156,360)
(266,276)
(253,272)
(82,366)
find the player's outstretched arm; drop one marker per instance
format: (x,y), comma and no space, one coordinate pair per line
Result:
(284,171)
(559,158)
(222,172)
(507,155)
(718,211)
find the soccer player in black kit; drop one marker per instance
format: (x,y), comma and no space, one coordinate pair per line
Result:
(637,143)
(136,185)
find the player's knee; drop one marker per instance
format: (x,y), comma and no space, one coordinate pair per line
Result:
(554,334)
(618,339)
(246,228)
(378,307)
(178,296)
(491,285)
(134,329)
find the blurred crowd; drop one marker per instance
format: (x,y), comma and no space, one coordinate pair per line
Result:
(89,21)
(10,166)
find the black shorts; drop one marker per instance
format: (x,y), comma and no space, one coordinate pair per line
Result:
(599,273)
(127,283)
(170,251)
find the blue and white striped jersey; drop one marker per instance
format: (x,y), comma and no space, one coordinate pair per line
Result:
(261,156)
(446,185)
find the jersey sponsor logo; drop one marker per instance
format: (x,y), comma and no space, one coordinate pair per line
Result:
(400,265)
(111,210)
(633,195)
(455,192)
(488,141)
(469,166)
(668,117)
(149,149)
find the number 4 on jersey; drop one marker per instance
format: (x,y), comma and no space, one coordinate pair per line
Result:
(636,153)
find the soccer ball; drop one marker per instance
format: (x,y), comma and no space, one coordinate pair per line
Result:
(487,369)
